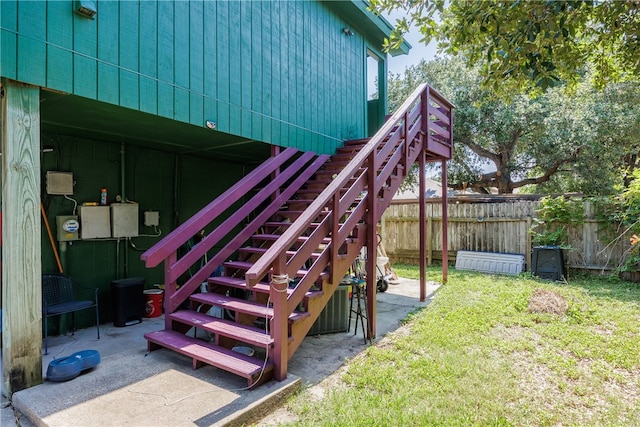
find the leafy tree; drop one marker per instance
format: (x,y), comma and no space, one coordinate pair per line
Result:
(614,125)
(531,44)
(566,142)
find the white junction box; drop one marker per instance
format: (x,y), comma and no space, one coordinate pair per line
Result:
(95,222)
(60,183)
(151,218)
(490,262)
(124,219)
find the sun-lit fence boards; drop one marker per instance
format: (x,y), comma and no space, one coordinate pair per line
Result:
(490,224)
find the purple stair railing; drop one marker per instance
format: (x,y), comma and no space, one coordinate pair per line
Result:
(350,205)
(290,169)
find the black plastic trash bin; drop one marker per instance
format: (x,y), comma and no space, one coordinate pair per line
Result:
(547,263)
(127,301)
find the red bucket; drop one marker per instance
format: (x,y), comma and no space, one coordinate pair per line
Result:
(153,303)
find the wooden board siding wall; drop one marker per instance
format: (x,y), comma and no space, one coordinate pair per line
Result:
(281,72)
(490,227)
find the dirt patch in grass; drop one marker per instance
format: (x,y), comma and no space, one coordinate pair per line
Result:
(545,301)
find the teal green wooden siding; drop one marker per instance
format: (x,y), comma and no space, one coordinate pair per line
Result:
(281,72)
(176,186)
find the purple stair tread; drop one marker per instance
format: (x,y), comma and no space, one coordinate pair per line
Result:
(278,223)
(240,265)
(299,202)
(274,237)
(265,236)
(236,282)
(211,354)
(244,333)
(254,250)
(289,213)
(242,306)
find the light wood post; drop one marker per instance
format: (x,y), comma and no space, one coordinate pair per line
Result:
(21,247)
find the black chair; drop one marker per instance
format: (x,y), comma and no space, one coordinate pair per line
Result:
(58,298)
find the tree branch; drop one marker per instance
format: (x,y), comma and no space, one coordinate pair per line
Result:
(548,173)
(479,150)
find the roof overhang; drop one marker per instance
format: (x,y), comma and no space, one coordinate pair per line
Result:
(375,27)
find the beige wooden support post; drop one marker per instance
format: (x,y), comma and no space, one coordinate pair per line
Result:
(21,246)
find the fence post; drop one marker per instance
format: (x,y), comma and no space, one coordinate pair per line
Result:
(445,224)
(527,254)
(429,241)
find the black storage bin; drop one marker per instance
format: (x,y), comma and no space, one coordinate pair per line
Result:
(547,262)
(127,301)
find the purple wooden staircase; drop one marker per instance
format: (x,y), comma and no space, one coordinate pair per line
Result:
(286,249)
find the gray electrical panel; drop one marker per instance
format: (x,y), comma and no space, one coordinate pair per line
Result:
(95,222)
(124,219)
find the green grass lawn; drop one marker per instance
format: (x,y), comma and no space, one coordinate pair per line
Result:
(477,355)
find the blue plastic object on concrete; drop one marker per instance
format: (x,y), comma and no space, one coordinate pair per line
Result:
(67,368)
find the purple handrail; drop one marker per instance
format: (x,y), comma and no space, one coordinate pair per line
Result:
(178,237)
(263,265)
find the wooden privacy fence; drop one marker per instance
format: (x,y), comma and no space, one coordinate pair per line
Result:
(489,224)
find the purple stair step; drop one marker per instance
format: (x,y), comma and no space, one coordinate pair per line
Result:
(243,306)
(238,265)
(274,237)
(315,191)
(349,149)
(357,142)
(289,213)
(297,202)
(259,251)
(277,224)
(211,354)
(235,282)
(265,236)
(245,333)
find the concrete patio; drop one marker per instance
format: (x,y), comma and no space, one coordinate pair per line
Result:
(135,388)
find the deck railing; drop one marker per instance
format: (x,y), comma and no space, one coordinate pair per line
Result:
(270,185)
(354,197)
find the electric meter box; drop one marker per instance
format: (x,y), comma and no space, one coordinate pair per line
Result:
(95,222)
(124,219)
(68,228)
